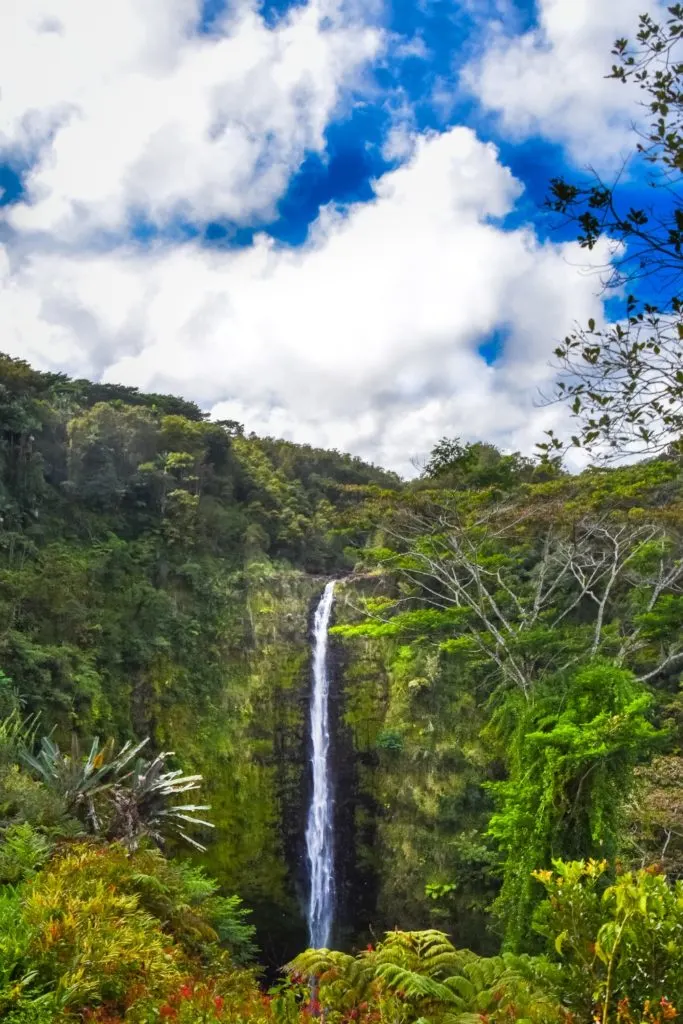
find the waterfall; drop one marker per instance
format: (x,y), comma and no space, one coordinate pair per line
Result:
(319,830)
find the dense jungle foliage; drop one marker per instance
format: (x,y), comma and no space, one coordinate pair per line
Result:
(507,655)
(156,572)
(506,703)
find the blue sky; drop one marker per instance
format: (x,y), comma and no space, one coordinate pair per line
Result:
(323,219)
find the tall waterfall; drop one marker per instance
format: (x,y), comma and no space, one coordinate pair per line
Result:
(319,832)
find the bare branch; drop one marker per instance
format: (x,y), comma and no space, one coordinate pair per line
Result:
(468,565)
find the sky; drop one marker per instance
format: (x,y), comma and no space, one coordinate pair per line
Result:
(323,219)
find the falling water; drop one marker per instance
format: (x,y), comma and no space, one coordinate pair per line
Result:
(319,838)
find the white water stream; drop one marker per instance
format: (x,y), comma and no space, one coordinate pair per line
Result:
(319,830)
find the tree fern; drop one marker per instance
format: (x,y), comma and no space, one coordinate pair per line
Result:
(412,985)
(421,978)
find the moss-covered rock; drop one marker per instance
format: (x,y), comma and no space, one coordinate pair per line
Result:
(419,804)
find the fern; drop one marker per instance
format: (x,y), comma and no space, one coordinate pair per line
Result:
(23,851)
(411,985)
(421,978)
(462,987)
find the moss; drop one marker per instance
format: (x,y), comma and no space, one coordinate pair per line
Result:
(420,808)
(249,742)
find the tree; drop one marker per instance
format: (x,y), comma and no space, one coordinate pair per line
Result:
(561,619)
(458,465)
(420,976)
(571,761)
(107,445)
(536,598)
(624,382)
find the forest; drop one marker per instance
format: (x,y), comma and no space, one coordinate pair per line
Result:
(506,708)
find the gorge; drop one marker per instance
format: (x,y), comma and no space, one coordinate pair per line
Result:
(379,768)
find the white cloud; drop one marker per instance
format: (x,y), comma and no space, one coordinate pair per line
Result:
(551,80)
(131,111)
(364,339)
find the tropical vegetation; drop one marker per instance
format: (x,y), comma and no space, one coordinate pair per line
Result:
(506,705)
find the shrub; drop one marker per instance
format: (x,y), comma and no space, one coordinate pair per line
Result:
(103,935)
(618,945)
(23,851)
(91,943)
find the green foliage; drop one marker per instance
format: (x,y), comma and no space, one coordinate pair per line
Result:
(390,739)
(437,890)
(476,466)
(114,930)
(127,522)
(617,944)
(612,955)
(23,851)
(420,810)
(25,800)
(18,992)
(229,918)
(14,734)
(99,930)
(572,755)
(153,582)
(502,673)
(519,642)
(418,976)
(412,624)
(90,942)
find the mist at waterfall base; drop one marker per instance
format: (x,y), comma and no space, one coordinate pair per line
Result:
(319,828)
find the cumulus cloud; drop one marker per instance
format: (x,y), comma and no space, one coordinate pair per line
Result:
(365,339)
(551,81)
(127,111)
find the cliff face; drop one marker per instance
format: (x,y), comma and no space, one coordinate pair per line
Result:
(407,767)
(157,577)
(414,786)
(157,573)
(250,743)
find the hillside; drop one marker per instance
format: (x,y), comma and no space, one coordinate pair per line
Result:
(505,669)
